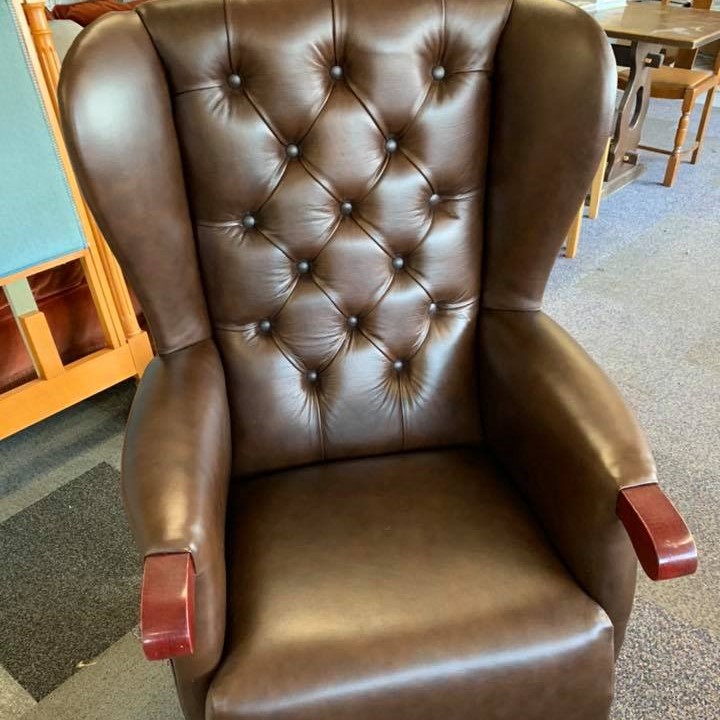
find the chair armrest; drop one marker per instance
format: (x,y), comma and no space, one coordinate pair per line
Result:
(662,541)
(167,606)
(564,435)
(176,456)
(175,479)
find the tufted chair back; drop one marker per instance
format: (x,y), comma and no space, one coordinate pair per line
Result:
(333,190)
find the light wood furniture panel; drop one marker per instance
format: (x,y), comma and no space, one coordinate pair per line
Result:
(128,348)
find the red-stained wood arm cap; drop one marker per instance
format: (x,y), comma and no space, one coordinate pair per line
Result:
(662,541)
(167,606)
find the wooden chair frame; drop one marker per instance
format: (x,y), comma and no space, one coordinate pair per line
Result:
(128,349)
(685,59)
(593,202)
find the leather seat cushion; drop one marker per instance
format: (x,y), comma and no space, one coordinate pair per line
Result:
(668,79)
(410,586)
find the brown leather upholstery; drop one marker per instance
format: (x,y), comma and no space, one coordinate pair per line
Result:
(339,216)
(364,589)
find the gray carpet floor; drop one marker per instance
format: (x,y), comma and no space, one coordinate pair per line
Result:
(642,296)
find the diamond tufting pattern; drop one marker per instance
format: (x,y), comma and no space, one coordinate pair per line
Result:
(336,189)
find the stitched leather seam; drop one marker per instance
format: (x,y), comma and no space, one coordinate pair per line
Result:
(261,115)
(486,71)
(331,236)
(377,177)
(401,405)
(377,242)
(334,30)
(372,341)
(321,427)
(362,102)
(274,244)
(322,183)
(415,112)
(227,35)
(319,114)
(443,36)
(200,88)
(416,164)
(273,191)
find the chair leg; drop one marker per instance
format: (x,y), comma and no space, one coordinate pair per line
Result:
(680,135)
(573,237)
(597,185)
(707,109)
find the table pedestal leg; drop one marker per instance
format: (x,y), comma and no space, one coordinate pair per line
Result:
(623,166)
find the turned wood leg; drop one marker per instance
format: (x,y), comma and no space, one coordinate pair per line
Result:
(707,109)
(680,135)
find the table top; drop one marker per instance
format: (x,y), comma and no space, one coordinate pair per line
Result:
(661,24)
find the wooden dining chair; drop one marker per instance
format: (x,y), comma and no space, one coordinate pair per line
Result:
(685,84)
(572,239)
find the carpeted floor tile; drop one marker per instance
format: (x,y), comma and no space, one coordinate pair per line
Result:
(668,669)
(64,438)
(120,685)
(14,700)
(70,581)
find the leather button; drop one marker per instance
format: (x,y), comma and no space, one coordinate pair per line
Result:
(234,81)
(398,365)
(312,376)
(303,267)
(292,150)
(438,72)
(434,200)
(248,221)
(391,145)
(336,72)
(346,207)
(265,326)
(353,321)
(398,263)
(432,308)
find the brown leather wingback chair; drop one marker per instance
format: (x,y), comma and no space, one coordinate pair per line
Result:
(372,480)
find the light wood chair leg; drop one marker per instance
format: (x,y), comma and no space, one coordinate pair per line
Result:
(40,344)
(597,185)
(573,237)
(707,109)
(680,135)
(34,329)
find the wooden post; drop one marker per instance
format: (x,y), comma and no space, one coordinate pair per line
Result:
(42,39)
(597,185)
(573,237)
(34,329)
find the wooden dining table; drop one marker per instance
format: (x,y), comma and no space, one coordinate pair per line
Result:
(649,26)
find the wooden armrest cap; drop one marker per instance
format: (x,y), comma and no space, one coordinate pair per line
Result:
(662,541)
(167,606)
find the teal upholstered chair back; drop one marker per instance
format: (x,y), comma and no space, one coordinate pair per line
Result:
(38,218)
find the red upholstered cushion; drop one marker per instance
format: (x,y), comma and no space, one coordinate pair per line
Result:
(83,13)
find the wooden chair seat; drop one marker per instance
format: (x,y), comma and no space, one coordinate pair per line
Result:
(671,83)
(686,85)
